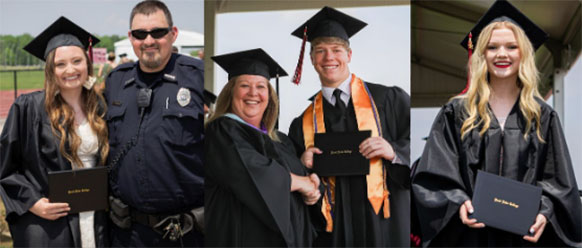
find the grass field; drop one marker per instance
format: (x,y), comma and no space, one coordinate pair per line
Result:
(26,79)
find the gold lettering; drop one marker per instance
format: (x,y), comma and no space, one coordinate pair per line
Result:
(504,202)
(340,152)
(77,191)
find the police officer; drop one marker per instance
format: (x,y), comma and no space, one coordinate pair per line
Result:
(155,120)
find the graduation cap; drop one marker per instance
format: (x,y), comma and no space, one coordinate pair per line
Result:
(209,98)
(500,11)
(328,22)
(253,62)
(123,55)
(62,32)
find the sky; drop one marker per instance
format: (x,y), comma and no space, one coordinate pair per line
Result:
(101,17)
(380,51)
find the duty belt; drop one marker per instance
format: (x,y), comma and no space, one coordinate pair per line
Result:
(172,227)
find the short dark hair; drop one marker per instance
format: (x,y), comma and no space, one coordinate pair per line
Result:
(149,7)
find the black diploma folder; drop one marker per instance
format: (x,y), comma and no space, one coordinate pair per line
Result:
(340,154)
(505,204)
(83,189)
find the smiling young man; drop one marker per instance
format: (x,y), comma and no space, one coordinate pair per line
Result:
(355,210)
(155,120)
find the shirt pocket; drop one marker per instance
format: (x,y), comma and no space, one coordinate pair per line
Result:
(182,126)
(115,116)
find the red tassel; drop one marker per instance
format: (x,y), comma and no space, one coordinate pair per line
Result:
(90,49)
(470,48)
(298,70)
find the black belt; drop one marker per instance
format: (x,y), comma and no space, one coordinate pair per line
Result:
(171,226)
(146,219)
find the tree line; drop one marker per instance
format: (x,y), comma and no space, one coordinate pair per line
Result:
(12,54)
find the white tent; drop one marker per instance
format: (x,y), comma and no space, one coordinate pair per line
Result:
(186,42)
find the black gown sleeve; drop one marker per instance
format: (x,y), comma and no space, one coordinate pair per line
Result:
(296,135)
(237,160)
(438,185)
(17,192)
(396,130)
(397,114)
(560,200)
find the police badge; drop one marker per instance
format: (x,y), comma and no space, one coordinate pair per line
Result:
(183,97)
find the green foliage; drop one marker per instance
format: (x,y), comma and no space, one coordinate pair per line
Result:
(108,41)
(12,54)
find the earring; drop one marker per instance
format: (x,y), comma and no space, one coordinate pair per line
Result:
(90,82)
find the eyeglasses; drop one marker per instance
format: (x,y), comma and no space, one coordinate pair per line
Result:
(156,33)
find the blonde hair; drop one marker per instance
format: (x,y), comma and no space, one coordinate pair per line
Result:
(62,116)
(477,97)
(224,105)
(330,40)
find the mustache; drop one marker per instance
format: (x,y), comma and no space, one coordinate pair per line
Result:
(149,46)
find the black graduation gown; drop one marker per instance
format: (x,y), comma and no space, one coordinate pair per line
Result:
(28,151)
(445,177)
(356,223)
(247,198)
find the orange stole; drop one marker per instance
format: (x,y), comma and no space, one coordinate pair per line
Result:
(366,115)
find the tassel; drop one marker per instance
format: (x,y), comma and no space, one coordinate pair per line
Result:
(90,49)
(470,48)
(298,70)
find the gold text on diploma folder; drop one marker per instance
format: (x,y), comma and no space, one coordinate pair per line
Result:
(504,202)
(77,191)
(340,152)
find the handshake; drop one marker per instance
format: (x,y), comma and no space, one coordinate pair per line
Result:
(308,186)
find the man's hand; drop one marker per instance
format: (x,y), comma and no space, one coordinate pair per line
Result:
(307,156)
(377,147)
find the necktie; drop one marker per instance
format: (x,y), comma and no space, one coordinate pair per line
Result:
(339,104)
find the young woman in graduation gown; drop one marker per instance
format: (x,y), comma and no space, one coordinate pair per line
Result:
(59,128)
(501,126)
(256,188)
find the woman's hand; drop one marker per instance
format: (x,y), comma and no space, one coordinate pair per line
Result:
(537,229)
(50,211)
(464,211)
(377,147)
(307,156)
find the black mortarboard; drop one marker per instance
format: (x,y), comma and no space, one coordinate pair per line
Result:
(123,55)
(209,98)
(62,32)
(253,62)
(502,10)
(329,22)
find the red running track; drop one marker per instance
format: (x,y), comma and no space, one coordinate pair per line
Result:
(7,98)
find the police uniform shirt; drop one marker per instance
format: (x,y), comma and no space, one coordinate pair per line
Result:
(163,172)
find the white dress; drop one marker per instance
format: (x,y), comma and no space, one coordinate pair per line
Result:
(87,152)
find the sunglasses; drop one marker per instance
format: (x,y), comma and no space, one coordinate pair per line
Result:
(157,33)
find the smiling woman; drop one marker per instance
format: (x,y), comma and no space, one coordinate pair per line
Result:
(502,126)
(256,189)
(60,128)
